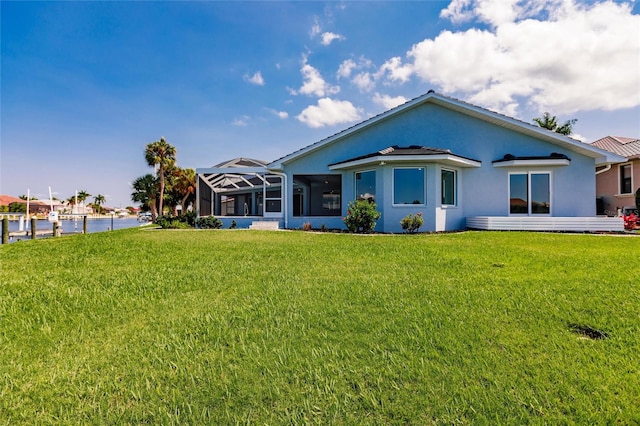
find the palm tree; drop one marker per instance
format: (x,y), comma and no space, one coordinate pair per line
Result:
(97,202)
(163,155)
(185,185)
(82,196)
(549,122)
(146,192)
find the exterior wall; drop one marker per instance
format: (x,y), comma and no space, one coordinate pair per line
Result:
(608,188)
(481,191)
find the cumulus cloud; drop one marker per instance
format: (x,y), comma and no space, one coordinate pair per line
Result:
(559,55)
(255,79)
(396,71)
(328,112)
(346,68)
(328,37)
(387,101)
(313,83)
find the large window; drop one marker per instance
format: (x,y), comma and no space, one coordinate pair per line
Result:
(366,185)
(409,185)
(530,193)
(625,179)
(448,189)
(317,195)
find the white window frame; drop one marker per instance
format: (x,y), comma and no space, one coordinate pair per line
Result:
(620,166)
(455,187)
(393,186)
(529,173)
(355,183)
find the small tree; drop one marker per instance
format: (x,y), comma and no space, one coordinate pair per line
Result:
(549,122)
(361,216)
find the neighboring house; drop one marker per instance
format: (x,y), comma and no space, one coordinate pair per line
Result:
(35,206)
(617,184)
(459,164)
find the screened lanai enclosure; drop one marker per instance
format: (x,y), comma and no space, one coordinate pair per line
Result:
(245,190)
(241,187)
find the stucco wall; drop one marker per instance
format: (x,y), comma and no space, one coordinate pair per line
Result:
(608,187)
(481,191)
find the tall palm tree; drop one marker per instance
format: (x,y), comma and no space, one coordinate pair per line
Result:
(145,191)
(549,122)
(162,155)
(97,202)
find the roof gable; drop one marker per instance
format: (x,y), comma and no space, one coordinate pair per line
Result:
(601,156)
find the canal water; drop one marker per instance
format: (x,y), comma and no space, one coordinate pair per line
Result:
(75,226)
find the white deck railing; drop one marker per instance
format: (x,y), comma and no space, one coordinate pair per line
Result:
(546,223)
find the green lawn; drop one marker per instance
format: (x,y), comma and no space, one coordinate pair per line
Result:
(228,327)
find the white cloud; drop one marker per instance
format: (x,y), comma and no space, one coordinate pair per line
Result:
(346,67)
(329,112)
(364,81)
(314,84)
(396,71)
(315,29)
(387,101)
(255,79)
(582,57)
(241,121)
(328,38)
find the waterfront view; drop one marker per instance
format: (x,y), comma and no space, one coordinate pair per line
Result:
(75,226)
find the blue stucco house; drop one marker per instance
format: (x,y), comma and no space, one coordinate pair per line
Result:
(460,165)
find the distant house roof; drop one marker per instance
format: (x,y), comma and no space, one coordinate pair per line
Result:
(627,147)
(601,156)
(5,200)
(397,153)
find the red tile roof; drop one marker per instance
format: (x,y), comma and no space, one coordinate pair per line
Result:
(5,200)
(627,147)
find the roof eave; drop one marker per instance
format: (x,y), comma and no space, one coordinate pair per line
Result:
(448,159)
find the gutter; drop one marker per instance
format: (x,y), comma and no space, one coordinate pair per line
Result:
(606,169)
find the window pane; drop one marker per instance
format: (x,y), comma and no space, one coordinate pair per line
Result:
(625,179)
(273,206)
(448,187)
(408,186)
(540,194)
(366,185)
(518,199)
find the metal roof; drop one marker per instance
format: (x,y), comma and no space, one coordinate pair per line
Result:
(627,147)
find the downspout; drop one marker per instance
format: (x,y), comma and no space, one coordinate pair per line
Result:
(284,196)
(606,169)
(197,198)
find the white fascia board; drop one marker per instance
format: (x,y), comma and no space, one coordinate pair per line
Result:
(533,163)
(451,160)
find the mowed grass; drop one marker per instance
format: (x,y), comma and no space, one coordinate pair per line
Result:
(249,327)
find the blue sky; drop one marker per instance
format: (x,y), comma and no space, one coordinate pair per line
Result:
(86,85)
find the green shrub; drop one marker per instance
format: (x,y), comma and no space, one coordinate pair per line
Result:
(208,222)
(361,216)
(233,225)
(412,222)
(169,222)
